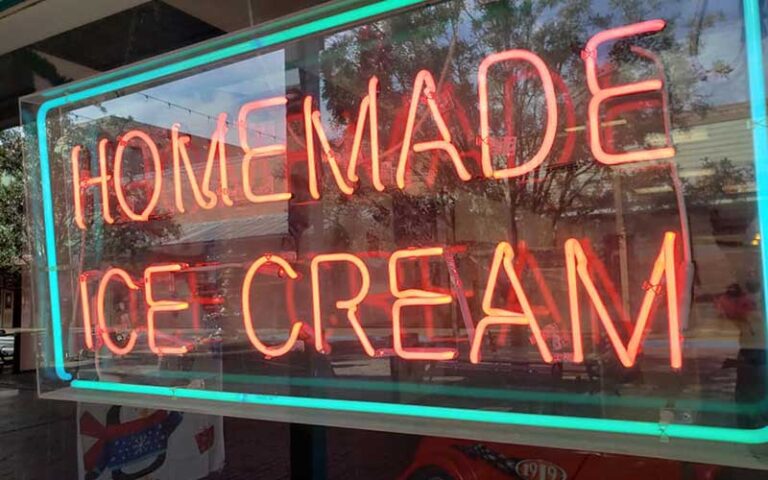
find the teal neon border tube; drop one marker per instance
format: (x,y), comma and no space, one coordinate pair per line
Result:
(753,37)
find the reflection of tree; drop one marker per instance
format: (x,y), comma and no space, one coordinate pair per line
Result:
(723,194)
(451,39)
(26,65)
(12,232)
(723,180)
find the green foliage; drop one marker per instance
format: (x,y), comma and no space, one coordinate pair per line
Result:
(12,232)
(450,40)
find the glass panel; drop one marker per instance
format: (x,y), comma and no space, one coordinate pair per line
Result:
(539,208)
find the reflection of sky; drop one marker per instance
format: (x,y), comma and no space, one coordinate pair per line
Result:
(196,101)
(724,45)
(721,42)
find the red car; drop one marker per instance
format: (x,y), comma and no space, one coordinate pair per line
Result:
(447,459)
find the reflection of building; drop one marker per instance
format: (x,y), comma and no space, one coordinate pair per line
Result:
(90,38)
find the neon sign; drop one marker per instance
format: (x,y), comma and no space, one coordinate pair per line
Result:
(448,304)
(424,88)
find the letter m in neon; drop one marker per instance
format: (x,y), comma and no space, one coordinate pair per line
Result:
(664,272)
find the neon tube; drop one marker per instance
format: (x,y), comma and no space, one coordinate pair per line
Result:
(77,187)
(600,95)
(250,153)
(85,302)
(664,267)
(368,106)
(204,197)
(558,422)
(101,315)
(158,184)
(312,123)
(551,102)
(102,180)
(753,32)
(415,297)
(218,148)
(757,104)
(157,306)
(424,82)
(351,305)
(499,316)
(276,351)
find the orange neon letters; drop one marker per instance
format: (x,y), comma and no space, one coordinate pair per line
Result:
(78,184)
(368,106)
(258,152)
(218,148)
(412,297)
(350,305)
(268,351)
(664,267)
(551,102)
(155,306)
(85,302)
(203,196)
(158,174)
(312,123)
(600,95)
(102,318)
(424,82)
(499,316)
